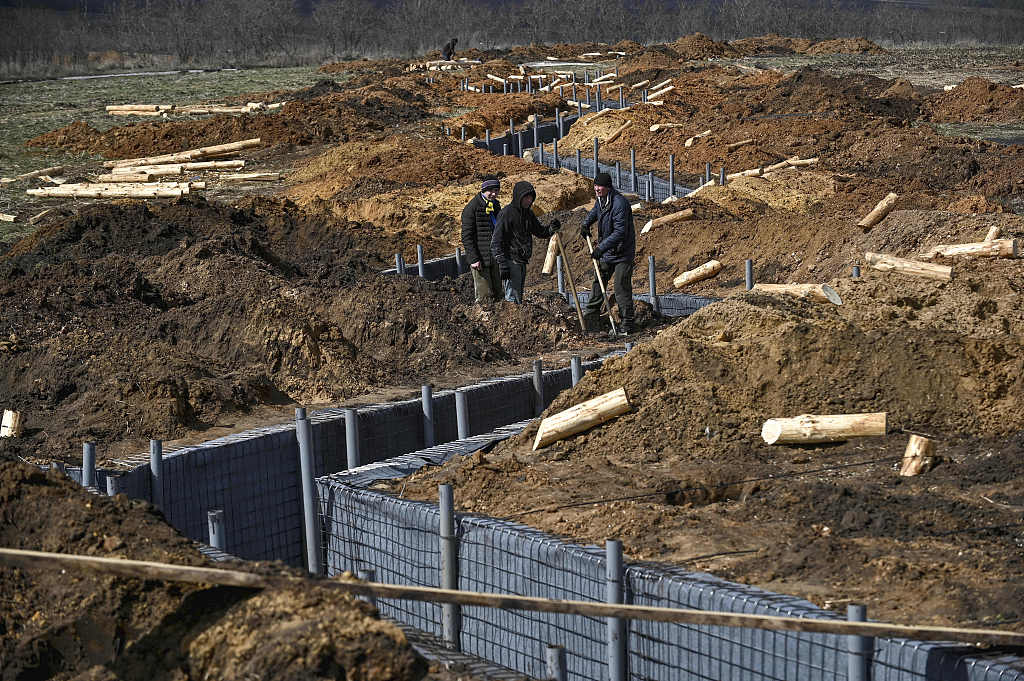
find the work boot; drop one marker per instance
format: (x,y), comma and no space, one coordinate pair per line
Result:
(592,321)
(628,328)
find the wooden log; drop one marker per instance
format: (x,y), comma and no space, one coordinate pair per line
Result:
(151,114)
(890,263)
(996,248)
(11,424)
(822,293)
(188,155)
(802,162)
(573,102)
(639,85)
(52,170)
(918,457)
(742,143)
(178,168)
(666,219)
(705,271)
(751,172)
(602,79)
(778,166)
(665,126)
(690,141)
(550,258)
(581,417)
(35,219)
(618,131)
(661,92)
(572,281)
(125,177)
(993,233)
(587,120)
(140,107)
(497,79)
(660,85)
(612,88)
(811,428)
(155,193)
(250,177)
(710,183)
(150,570)
(4,217)
(878,213)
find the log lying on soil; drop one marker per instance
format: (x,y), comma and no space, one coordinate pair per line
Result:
(665,126)
(822,293)
(995,248)
(742,143)
(710,183)
(705,271)
(250,177)
(666,219)
(35,219)
(582,417)
(4,217)
(52,170)
(140,107)
(655,88)
(690,141)
(661,92)
(918,457)
(573,102)
(801,162)
(751,172)
(152,114)
(811,428)
(125,177)
(590,119)
(890,263)
(11,424)
(637,86)
(118,190)
(188,155)
(164,170)
(618,131)
(993,233)
(878,213)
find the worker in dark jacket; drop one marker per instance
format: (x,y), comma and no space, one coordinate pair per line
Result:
(478,220)
(615,248)
(512,242)
(448,51)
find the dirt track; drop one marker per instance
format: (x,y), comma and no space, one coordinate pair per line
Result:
(124,321)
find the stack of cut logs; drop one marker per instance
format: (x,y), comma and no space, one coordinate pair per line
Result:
(138,177)
(165,110)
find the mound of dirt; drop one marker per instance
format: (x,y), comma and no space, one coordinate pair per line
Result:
(493,113)
(700,46)
(845,46)
(126,320)
(318,119)
(94,626)
(770,44)
(977,99)
(687,464)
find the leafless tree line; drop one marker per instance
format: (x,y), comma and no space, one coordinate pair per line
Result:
(210,33)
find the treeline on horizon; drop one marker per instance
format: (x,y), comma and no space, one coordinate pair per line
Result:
(214,33)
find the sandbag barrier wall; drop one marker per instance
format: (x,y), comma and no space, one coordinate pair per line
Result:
(399,539)
(254,475)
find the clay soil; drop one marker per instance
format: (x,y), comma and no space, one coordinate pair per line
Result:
(124,321)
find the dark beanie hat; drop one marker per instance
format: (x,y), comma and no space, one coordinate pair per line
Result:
(490,183)
(603,180)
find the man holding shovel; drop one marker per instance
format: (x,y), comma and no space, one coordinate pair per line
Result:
(614,252)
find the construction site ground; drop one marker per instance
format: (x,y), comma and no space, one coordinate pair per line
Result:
(185,319)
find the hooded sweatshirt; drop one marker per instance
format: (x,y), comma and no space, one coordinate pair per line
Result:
(512,241)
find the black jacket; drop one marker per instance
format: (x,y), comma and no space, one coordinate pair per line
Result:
(478,220)
(512,236)
(616,236)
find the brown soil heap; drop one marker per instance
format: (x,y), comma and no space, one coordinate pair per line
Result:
(977,99)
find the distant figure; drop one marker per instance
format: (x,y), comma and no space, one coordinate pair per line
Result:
(448,51)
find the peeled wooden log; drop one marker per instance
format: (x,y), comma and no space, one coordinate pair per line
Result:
(780,165)
(705,271)
(35,219)
(601,79)
(11,424)
(155,193)
(178,168)
(661,92)
(811,428)
(993,233)
(618,131)
(822,293)
(666,219)
(890,263)
(583,416)
(497,79)
(690,141)
(918,457)
(801,162)
(4,217)
(612,88)
(250,177)
(665,126)
(152,114)
(752,172)
(878,213)
(742,143)
(125,177)
(140,107)
(52,170)
(660,85)
(996,248)
(639,85)
(573,102)
(587,120)
(188,155)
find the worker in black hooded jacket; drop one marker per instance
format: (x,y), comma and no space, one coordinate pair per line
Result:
(478,220)
(512,242)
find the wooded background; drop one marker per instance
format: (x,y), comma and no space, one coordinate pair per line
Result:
(214,33)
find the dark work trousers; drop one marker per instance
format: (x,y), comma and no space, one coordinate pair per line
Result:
(623,272)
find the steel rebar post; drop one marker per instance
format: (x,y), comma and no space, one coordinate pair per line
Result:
(632,169)
(463,133)
(856,272)
(652,287)
(574,91)
(215,523)
(622,98)
(560,275)
(579,162)
(748,273)
(597,166)
(586,77)
(352,457)
(449,565)
(629,346)
(504,150)
(555,659)
(540,154)
(367,575)
(671,174)
(511,126)
(707,171)
(398,264)
(721,176)
(618,175)
(460,264)
(461,414)
(536,130)
(538,386)
(576,369)
(643,95)
(614,594)
(113,485)
(860,649)
(650,185)
(579,109)
(427,398)
(304,434)
(554,150)
(520,143)
(89,464)
(588,96)
(561,91)
(156,472)
(420,264)
(558,124)
(597,97)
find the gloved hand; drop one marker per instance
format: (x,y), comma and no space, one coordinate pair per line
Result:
(503,272)
(596,255)
(554,226)
(584,232)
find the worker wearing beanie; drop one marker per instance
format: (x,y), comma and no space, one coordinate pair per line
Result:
(478,220)
(615,248)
